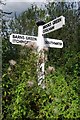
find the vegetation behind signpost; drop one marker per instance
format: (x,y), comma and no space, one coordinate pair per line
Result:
(22,97)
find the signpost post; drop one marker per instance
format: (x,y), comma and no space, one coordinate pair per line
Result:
(41,41)
(40,44)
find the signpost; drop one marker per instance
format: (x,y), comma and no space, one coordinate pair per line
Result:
(53,43)
(41,41)
(54,25)
(22,39)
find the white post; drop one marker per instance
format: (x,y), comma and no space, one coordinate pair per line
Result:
(40,41)
(40,44)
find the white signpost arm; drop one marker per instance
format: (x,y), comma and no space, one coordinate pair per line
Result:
(54,25)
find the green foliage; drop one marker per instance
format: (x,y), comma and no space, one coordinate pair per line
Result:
(57,100)
(62,101)
(22,97)
(17,78)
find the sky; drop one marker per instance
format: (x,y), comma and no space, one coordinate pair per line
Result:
(21,5)
(40,0)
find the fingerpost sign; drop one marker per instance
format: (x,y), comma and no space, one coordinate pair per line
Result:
(54,25)
(41,42)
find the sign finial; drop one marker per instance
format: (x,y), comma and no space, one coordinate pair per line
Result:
(40,22)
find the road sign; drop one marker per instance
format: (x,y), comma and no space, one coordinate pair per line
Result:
(53,43)
(54,25)
(22,39)
(41,43)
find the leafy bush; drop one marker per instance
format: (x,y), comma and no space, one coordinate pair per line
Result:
(30,101)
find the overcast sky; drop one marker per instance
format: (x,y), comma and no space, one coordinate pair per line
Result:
(21,5)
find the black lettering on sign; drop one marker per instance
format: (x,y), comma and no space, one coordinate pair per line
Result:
(18,36)
(14,36)
(47,42)
(59,43)
(47,25)
(31,38)
(48,29)
(55,43)
(20,41)
(51,42)
(56,21)
(51,28)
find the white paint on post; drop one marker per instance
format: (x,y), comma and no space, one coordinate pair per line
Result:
(40,40)
(40,44)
